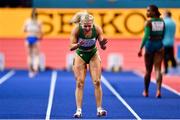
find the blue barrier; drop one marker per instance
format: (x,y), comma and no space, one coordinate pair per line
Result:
(104,3)
(178,52)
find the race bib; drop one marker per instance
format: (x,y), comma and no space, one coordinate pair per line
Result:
(88,42)
(157,26)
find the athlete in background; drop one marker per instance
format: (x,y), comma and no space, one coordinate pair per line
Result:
(83,40)
(168,41)
(152,40)
(32,28)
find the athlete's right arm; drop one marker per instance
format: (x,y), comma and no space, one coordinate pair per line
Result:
(74,39)
(25,26)
(146,33)
(146,37)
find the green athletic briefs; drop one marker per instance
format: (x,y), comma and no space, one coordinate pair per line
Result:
(86,55)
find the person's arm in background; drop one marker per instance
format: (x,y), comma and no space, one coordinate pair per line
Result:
(102,41)
(25,26)
(145,38)
(40,30)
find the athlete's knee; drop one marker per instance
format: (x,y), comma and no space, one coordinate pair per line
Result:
(36,53)
(80,84)
(97,83)
(147,76)
(78,67)
(159,77)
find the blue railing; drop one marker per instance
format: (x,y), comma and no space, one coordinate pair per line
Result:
(105,3)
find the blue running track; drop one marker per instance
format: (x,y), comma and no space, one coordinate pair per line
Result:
(51,95)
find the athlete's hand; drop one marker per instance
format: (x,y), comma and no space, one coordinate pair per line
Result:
(74,46)
(103,47)
(81,42)
(103,43)
(140,53)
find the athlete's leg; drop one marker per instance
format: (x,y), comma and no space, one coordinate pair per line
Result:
(148,58)
(29,57)
(80,69)
(157,64)
(95,70)
(166,59)
(36,57)
(172,58)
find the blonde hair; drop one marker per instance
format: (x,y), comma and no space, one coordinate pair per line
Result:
(82,17)
(86,18)
(77,17)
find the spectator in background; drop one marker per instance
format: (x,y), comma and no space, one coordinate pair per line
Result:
(168,41)
(83,40)
(32,28)
(152,40)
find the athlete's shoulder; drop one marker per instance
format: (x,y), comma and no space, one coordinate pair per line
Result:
(161,19)
(39,22)
(75,30)
(148,23)
(98,28)
(27,20)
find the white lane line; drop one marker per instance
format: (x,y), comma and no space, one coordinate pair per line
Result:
(109,86)
(7,76)
(163,85)
(51,94)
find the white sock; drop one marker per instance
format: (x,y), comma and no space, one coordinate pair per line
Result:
(79,109)
(99,108)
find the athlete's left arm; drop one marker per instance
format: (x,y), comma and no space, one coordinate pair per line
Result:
(102,41)
(25,26)
(40,30)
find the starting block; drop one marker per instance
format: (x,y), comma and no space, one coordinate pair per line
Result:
(115,62)
(69,61)
(42,62)
(2,62)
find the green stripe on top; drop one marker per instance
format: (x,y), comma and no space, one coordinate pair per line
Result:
(89,42)
(81,34)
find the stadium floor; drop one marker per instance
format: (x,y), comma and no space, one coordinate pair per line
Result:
(50,95)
